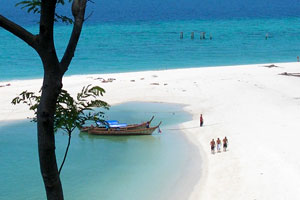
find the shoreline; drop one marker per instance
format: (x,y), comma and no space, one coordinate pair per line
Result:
(3,82)
(190,175)
(254,106)
(186,175)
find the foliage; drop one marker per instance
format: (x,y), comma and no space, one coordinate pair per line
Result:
(34,6)
(54,70)
(70,113)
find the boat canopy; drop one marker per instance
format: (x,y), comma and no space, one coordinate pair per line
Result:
(108,122)
(118,125)
(112,122)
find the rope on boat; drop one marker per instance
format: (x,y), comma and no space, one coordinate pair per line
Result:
(178,129)
(172,112)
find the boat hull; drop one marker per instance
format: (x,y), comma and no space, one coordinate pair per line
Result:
(141,131)
(129,127)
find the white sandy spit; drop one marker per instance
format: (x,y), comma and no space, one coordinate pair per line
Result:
(255,107)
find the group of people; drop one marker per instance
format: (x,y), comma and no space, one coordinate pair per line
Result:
(218,143)
(214,143)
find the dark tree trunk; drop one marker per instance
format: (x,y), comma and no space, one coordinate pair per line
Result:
(53,72)
(46,139)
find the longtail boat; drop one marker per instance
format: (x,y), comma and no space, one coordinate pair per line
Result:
(113,124)
(139,131)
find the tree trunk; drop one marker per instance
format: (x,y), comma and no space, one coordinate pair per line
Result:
(46,140)
(53,72)
(66,152)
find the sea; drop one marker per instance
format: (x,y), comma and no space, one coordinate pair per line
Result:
(127,36)
(133,35)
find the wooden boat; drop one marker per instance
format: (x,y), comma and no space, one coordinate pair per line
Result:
(127,127)
(111,131)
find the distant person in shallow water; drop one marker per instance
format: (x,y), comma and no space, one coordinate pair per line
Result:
(219,145)
(225,143)
(201,120)
(297,58)
(212,146)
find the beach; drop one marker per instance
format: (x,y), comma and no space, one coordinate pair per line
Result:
(254,106)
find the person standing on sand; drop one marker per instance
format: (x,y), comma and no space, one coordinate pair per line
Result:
(201,120)
(225,143)
(219,145)
(212,146)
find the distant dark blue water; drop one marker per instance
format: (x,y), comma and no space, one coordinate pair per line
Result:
(132,35)
(149,10)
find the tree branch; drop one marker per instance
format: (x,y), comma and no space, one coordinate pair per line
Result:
(47,50)
(19,31)
(78,11)
(47,22)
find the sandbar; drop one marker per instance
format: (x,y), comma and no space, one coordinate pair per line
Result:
(257,107)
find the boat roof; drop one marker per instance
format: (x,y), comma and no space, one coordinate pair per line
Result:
(112,122)
(118,125)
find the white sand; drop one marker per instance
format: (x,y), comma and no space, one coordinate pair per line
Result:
(257,109)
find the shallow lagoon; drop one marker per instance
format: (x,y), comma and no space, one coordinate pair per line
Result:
(105,167)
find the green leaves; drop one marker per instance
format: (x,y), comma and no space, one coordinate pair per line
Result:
(34,6)
(30,99)
(63,19)
(70,113)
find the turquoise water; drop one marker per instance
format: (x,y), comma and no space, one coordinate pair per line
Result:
(110,47)
(103,167)
(134,35)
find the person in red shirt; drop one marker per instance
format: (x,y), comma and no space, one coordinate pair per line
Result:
(201,120)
